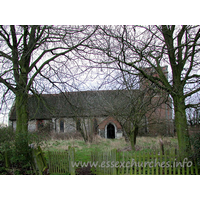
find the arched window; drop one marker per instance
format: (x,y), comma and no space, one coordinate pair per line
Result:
(61,125)
(78,125)
(95,126)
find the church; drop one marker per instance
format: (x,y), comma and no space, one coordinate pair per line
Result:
(102,112)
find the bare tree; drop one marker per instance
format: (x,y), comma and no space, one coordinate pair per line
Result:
(29,51)
(143,101)
(142,47)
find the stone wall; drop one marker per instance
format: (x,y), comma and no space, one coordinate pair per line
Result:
(32,126)
(87,125)
(69,125)
(156,126)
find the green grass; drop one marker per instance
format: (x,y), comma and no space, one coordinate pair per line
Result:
(83,150)
(124,153)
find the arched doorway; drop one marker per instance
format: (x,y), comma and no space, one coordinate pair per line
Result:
(110,131)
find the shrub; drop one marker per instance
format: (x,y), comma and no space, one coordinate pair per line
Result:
(7,137)
(6,144)
(15,152)
(195,142)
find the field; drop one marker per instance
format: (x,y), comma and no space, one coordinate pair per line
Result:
(59,152)
(10,162)
(83,150)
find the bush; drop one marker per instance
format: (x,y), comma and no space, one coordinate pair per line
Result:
(7,138)
(15,153)
(195,142)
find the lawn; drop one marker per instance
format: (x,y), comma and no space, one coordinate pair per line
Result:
(83,150)
(147,150)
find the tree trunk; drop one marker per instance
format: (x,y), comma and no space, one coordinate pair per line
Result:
(21,112)
(21,139)
(181,126)
(133,135)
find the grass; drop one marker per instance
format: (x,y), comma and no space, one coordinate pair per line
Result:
(83,150)
(123,154)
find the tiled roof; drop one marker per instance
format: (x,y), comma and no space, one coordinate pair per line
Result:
(82,103)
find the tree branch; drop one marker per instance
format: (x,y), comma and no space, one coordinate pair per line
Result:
(191,93)
(5,56)
(7,39)
(8,85)
(53,58)
(192,56)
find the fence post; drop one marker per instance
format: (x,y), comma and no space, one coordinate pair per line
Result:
(157,162)
(38,161)
(153,166)
(135,165)
(170,163)
(131,166)
(160,172)
(71,158)
(113,159)
(179,162)
(196,168)
(139,163)
(165,158)
(126,160)
(144,165)
(50,161)
(148,161)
